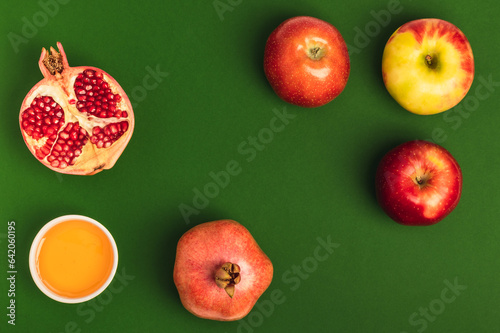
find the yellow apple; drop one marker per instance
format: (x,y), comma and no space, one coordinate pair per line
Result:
(428,66)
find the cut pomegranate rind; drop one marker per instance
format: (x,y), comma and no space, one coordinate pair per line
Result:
(77,120)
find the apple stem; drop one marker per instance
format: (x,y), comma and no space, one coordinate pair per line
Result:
(315,52)
(227,276)
(431,61)
(428,58)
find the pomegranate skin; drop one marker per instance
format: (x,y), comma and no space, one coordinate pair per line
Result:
(201,251)
(87,157)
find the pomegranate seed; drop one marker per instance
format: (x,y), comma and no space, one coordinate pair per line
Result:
(45,150)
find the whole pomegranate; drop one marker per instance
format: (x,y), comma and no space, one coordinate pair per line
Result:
(77,120)
(220,272)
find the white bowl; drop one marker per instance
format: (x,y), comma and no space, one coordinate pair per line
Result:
(34,252)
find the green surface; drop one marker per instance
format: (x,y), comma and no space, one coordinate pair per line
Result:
(312,182)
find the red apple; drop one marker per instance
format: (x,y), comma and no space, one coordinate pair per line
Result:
(418,183)
(220,272)
(428,66)
(306,61)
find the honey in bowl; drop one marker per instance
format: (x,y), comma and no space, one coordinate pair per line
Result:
(74,259)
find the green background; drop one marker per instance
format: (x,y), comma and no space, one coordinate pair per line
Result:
(313,180)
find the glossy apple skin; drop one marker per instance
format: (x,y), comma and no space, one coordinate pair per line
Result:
(294,76)
(201,251)
(399,193)
(417,86)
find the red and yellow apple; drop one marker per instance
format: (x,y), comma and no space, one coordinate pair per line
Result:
(306,61)
(418,183)
(428,66)
(220,272)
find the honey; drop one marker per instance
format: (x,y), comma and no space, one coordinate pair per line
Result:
(74,258)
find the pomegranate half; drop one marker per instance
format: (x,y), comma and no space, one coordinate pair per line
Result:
(77,120)
(220,271)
